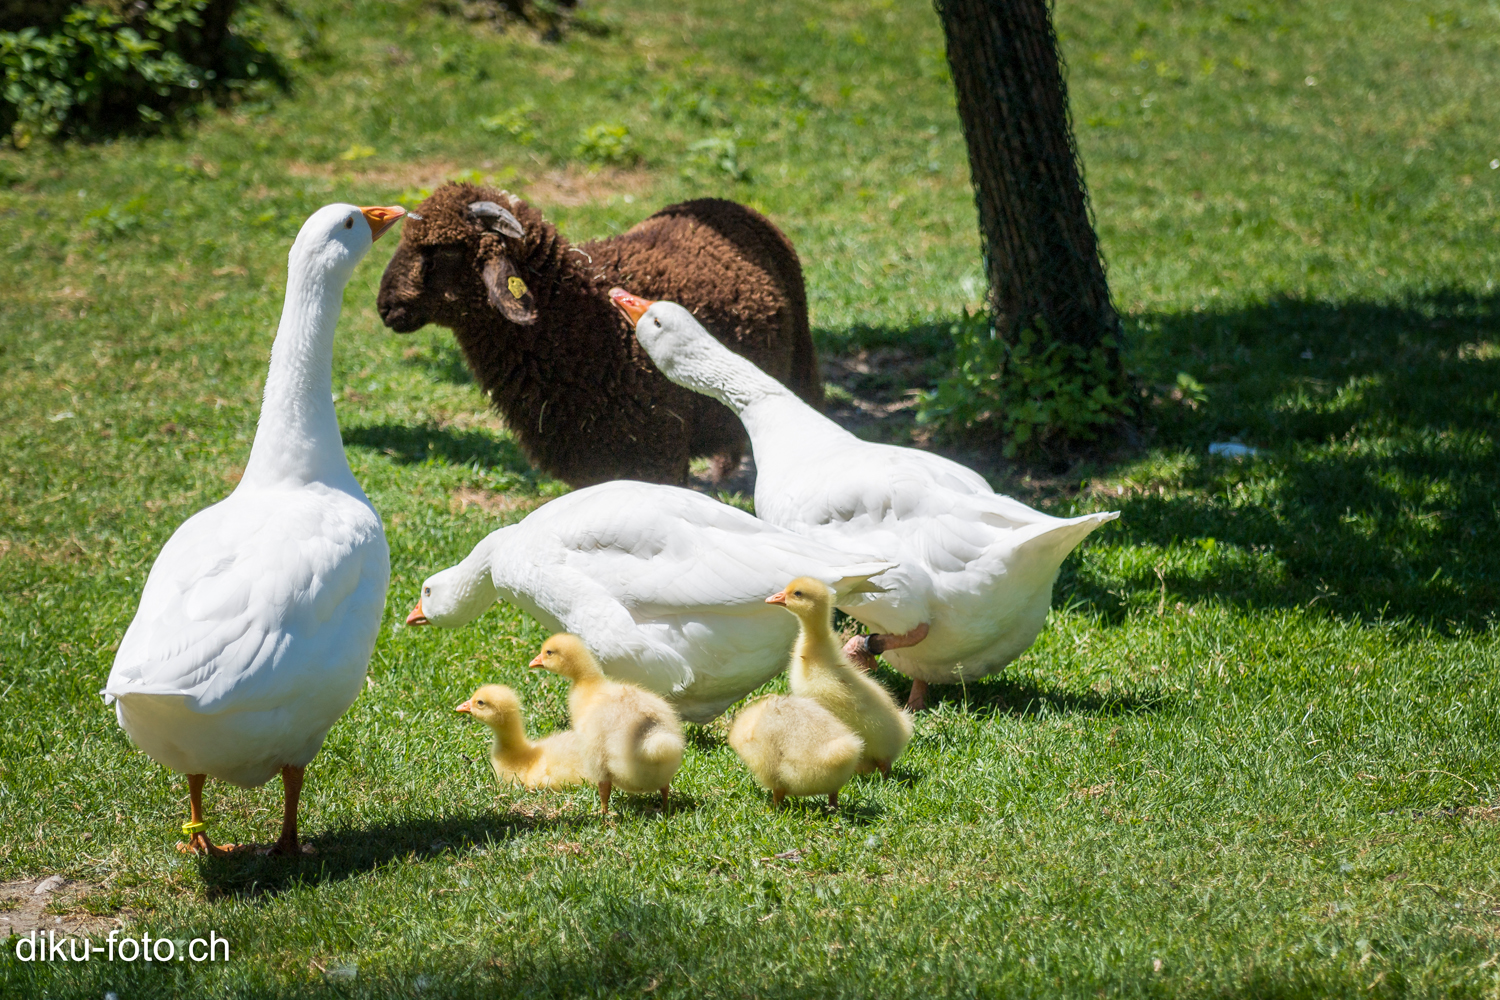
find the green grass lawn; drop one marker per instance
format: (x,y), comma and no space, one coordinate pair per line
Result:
(1253,755)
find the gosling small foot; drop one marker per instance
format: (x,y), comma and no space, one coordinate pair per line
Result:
(917,700)
(833,800)
(664,792)
(777,796)
(605,788)
(885,768)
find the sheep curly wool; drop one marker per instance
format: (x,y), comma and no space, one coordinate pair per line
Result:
(532,315)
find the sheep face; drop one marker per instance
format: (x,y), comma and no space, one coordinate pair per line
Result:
(456,262)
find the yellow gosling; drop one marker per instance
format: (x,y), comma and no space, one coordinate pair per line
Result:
(794,746)
(552,762)
(820,671)
(628,738)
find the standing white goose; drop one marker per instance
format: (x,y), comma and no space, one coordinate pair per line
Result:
(974,572)
(260,614)
(666,587)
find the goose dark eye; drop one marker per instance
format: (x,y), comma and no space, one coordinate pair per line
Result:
(796,593)
(480,702)
(426,591)
(349,222)
(657,322)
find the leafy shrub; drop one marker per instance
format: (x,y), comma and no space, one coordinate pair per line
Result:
(518,123)
(98,70)
(606,144)
(1031,392)
(722,154)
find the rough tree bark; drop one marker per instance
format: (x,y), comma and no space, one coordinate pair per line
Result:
(1040,251)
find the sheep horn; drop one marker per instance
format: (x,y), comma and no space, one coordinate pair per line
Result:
(494,217)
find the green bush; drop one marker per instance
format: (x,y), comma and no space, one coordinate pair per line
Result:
(100,70)
(1032,392)
(607,144)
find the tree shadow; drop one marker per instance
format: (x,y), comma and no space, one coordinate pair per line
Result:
(426,443)
(1372,493)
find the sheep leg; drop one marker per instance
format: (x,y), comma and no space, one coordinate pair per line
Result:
(726,464)
(605,788)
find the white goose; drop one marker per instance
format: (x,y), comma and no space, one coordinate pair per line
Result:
(666,587)
(259,616)
(974,572)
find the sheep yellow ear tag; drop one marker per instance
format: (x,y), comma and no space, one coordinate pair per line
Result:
(516,285)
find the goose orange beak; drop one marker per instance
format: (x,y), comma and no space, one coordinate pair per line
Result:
(633,306)
(777,598)
(382,218)
(417,617)
(536,662)
(466,707)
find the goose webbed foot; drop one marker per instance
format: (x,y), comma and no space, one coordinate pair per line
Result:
(198,842)
(862,649)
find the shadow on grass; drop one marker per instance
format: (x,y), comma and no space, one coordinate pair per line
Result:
(348,852)
(1373,495)
(426,443)
(445,363)
(1005,694)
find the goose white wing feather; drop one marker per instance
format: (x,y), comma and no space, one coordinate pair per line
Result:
(254,629)
(666,587)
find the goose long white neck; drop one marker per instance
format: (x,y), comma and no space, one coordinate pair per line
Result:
(297,440)
(776,419)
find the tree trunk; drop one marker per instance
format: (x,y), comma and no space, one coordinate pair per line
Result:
(1040,252)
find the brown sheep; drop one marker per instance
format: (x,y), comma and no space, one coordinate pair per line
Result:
(532,315)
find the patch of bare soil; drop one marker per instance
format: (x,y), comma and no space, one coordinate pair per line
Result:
(492,503)
(30,906)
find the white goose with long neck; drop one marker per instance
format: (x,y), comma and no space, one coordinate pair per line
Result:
(260,613)
(975,569)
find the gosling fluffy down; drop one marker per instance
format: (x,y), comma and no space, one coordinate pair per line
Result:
(794,746)
(820,671)
(552,762)
(628,737)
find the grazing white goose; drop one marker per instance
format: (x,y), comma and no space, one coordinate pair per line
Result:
(259,616)
(666,587)
(974,572)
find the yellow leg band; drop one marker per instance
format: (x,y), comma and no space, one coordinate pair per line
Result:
(188,829)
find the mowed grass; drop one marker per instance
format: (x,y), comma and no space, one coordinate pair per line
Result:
(1254,753)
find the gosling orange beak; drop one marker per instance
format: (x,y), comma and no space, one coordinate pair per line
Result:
(466,707)
(417,617)
(777,598)
(536,662)
(381,219)
(633,306)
